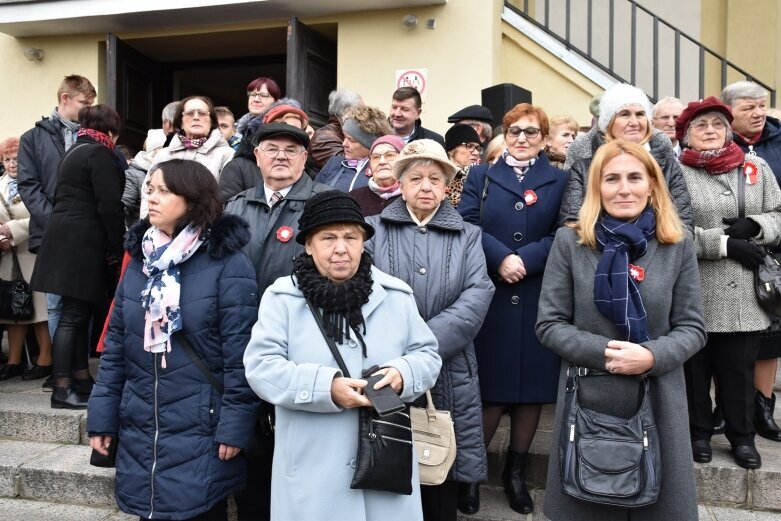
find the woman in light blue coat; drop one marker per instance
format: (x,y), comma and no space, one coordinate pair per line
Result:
(373,319)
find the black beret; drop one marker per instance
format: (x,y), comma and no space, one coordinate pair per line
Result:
(476,112)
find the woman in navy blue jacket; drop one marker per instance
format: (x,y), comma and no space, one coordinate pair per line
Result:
(178,437)
(516,202)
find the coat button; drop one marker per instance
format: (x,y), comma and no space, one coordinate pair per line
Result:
(727,192)
(303,395)
(732,284)
(422,271)
(423,229)
(353,463)
(519,205)
(211,411)
(515,299)
(518,236)
(352,343)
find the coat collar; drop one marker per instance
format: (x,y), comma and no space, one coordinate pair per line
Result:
(301,191)
(446,218)
(215,140)
(541,173)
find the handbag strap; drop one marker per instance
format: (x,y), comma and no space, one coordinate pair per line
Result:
(328,339)
(198,361)
(741,192)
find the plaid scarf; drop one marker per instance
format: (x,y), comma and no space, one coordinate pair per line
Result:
(160,297)
(616,294)
(715,162)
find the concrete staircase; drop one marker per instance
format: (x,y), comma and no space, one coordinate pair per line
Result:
(45,473)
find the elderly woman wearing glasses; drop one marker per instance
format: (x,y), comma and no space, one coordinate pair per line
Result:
(516,203)
(261,94)
(384,186)
(199,139)
(463,148)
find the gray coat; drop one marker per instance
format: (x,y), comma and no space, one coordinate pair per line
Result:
(272,256)
(570,324)
(579,161)
(288,363)
(728,294)
(444,264)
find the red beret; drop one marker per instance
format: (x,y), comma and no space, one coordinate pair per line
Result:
(694,109)
(280,110)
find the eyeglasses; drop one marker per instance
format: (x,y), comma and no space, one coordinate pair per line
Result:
(473,147)
(389,156)
(529,132)
(10,160)
(702,126)
(259,95)
(289,152)
(195,113)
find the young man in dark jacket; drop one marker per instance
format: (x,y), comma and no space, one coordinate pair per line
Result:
(406,107)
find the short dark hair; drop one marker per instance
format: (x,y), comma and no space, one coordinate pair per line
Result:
(101,118)
(180,110)
(197,185)
(405,93)
(271,86)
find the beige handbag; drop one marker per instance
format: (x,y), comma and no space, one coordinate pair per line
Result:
(435,442)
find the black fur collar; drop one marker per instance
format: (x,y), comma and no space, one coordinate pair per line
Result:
(227,236)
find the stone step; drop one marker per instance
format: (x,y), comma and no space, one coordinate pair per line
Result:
(27,510)
(494,507)
(44,471)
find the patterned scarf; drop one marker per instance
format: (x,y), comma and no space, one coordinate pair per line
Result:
(616,294)
(160,297)
(190,144)
(715,162)
(97,135)
(387,192)
(69,128)
(13,189)
(340,303)
(519,167)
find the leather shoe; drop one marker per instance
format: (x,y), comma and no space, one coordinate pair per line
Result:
(747,456)
(764,423)
(701,451)
(37,372)
(9,371)
(48,384)
(469,498)
(67,398)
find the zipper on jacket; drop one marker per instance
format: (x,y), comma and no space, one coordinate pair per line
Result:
(468,367)
(154,448)
(648,462)
(391,424)
(384,437)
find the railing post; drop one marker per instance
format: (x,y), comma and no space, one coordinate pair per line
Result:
(702,72)
(611,45)
(723,73)
(677,63)
(526,7)
(589,17)
(656,57)
(567,21)
(633,56)
(547,13)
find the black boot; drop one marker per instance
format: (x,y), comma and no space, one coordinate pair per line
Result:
(718,421)
(469,497)
(514,479)
(83,387)
(763,416)
(67,398)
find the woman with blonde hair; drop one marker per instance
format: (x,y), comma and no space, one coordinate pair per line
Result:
(563,131)
(621,301)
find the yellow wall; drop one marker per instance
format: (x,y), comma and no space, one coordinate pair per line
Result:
(29,89)
(752,38)
(555,86)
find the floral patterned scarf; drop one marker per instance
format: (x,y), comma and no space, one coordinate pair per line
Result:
(160,297)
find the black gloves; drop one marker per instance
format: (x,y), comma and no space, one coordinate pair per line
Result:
(747,253)
(741,227)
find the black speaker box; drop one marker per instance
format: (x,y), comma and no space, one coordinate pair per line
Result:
(501,98)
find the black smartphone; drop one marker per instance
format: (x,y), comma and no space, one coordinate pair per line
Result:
(385,400)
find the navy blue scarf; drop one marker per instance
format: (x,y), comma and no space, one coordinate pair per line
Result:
(616,293)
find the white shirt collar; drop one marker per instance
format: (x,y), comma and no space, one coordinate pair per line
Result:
(269,192)
(425,221)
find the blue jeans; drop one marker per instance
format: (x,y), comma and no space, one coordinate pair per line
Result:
(54,310)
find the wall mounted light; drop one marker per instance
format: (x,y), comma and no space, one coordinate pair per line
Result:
(409,22)
(33,54)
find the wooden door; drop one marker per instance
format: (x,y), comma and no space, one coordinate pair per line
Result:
(135,91)
(311,70)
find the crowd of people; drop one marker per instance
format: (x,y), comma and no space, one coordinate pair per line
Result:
(212,270)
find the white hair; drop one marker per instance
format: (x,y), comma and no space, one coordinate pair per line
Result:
(742,90)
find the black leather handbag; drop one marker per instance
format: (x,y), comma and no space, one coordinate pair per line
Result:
(384,460)
(16,296)
(605,459)
(767,276)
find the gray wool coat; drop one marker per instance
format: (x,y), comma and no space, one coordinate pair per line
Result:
(444,264)
(728,294)
(570,324)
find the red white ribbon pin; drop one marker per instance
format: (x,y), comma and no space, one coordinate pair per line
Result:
(751,171)
(637,272)
(284,233)
(529,197)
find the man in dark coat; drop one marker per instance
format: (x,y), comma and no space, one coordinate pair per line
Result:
(40,150)
(405,116)
(272,209)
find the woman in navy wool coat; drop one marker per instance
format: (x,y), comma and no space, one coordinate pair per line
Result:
(516,202)
(178,437)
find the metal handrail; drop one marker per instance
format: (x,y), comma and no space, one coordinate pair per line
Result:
(610,68)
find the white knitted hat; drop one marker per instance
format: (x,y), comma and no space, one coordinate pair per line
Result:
(617,97)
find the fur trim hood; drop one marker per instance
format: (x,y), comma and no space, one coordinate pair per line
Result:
(226,236)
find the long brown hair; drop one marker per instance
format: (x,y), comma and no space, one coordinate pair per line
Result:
(668,225)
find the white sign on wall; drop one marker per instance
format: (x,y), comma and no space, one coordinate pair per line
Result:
(417,78)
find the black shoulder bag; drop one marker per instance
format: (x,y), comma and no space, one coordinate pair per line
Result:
(384,460)
(605,459)
(767,276)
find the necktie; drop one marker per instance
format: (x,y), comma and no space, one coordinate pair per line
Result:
(275,198)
